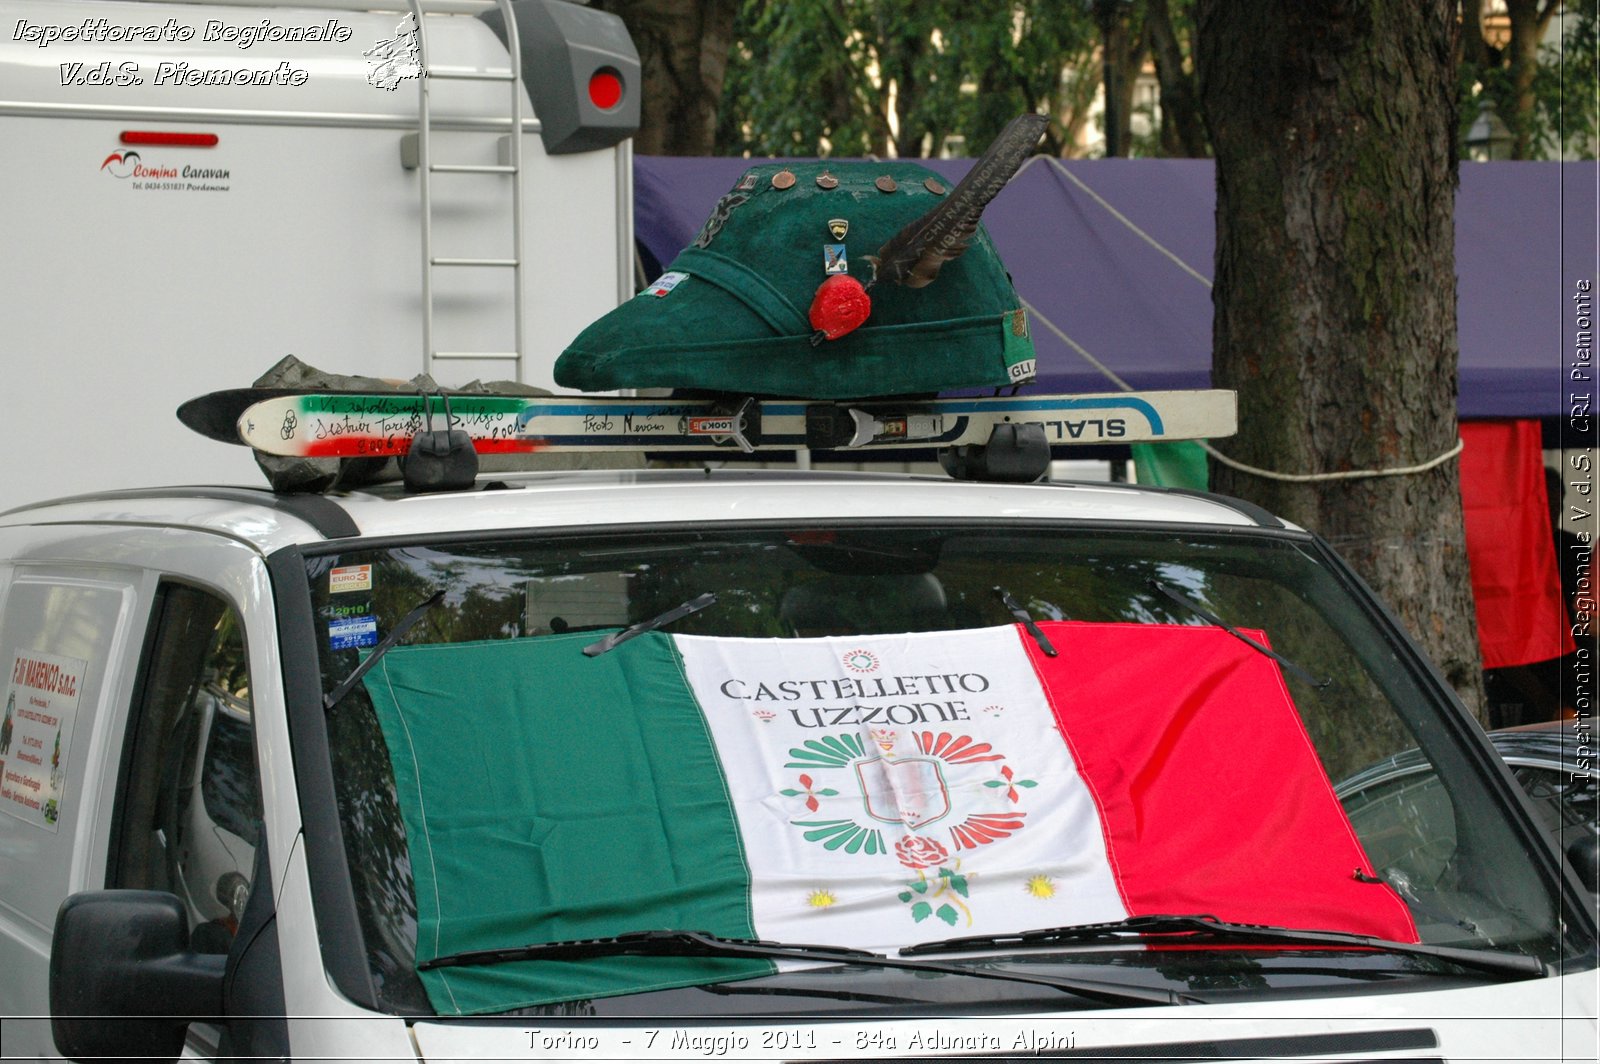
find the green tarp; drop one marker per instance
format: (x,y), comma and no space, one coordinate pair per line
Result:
(1171,465)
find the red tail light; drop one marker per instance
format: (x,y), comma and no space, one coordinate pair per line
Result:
(605,89)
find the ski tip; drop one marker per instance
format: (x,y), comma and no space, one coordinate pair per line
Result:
(215,415)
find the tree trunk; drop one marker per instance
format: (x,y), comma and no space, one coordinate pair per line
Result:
(1129,63)
(1472,49)
(1077,96)
(683,52)
(1182,133)
(1334,131)
(1528,24)
(1120,61)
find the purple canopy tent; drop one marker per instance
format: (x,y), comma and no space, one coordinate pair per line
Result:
(1525,235)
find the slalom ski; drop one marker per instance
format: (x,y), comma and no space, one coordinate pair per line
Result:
(371,424)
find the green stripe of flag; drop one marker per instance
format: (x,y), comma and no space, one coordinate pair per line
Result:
(550,796)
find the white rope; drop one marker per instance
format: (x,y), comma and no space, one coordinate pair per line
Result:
(1105,370)
(1119,216)
(1298,478)
(1349,474)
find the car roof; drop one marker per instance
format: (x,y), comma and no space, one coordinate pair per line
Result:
(1561,743)
(1558,745)
(606,498)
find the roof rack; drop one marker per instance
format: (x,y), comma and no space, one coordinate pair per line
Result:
(1262,517)
(438,436)
(320,512)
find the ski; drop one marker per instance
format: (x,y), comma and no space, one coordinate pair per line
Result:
(372,424)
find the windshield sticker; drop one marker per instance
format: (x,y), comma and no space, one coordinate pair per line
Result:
(36,734)
(348,633)
(349,578)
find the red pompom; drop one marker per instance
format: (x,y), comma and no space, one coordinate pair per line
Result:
(839,306)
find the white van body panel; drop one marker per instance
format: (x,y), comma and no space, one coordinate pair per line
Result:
(1553,1021)
(96,561)
(121,302)
(326,1024)
(89,617)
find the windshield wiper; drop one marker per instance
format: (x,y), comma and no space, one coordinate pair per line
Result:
(1199,929)
(704,944)
(677,613)
(1026,620)
(396,633)
(1211,618)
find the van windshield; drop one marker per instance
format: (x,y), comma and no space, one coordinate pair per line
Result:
(874,737)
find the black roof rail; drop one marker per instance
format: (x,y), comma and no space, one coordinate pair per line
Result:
(318,511)
(1262,517)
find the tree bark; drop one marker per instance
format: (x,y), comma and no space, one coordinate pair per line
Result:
(683,52)
(1334,131)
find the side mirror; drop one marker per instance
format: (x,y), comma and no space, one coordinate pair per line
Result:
(1585,857)
(123,980)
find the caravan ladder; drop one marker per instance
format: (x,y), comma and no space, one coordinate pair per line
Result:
(509,166)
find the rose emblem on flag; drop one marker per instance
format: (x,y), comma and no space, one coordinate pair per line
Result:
(916,851)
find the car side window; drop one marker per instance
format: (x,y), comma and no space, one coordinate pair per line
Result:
(189,805)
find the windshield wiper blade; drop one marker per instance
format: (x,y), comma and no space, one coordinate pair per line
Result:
(704,944)
(1192,929)
(1212,619)
(677,613)
(651,944)
(396,633)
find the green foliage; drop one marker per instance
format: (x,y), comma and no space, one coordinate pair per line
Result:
(1566,85)
(882,77)
(1563,119)
(1013,58)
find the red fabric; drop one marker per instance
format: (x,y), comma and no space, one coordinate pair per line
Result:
(1516,586)
(1210,794)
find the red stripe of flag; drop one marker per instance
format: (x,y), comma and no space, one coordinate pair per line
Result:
(1210,794)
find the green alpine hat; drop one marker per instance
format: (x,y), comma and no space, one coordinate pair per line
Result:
(732,313)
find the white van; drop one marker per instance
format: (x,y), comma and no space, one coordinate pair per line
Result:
(754,765)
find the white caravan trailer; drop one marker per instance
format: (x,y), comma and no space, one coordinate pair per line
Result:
(192,191)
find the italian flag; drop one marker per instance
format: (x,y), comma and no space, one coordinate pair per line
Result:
(871,792)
